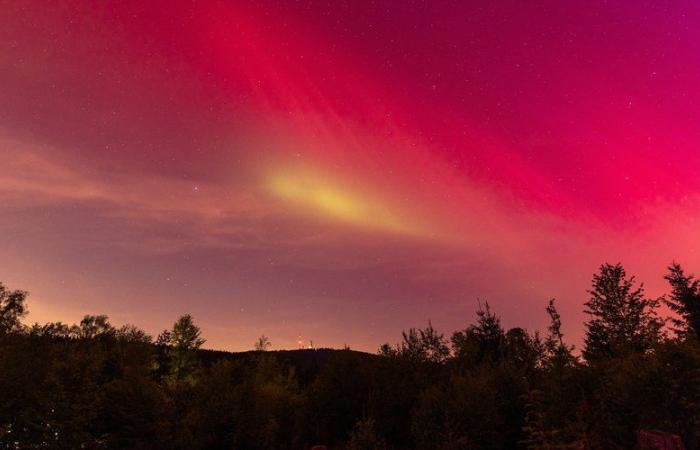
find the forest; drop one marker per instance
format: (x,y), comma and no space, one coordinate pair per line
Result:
(94,385)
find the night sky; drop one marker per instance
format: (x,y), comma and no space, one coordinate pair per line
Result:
(337,171)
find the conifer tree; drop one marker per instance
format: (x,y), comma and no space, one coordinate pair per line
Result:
(684,300)
(622,320)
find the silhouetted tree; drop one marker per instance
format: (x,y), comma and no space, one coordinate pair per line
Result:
(387,350)
(132,333)
(684,300)
(162,366)
(53,330)
(622,320)
(262,344)
(419,345)
(92,327)
(185,340)
(12,309)
(521,350)
(557,352)
(483,341)
(93,385)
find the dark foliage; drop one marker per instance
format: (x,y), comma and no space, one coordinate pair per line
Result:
(96,386)
(684,300)
(623,319)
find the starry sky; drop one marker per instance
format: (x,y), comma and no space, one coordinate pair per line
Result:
(338,171)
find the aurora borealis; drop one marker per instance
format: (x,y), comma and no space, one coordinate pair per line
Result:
(337,171)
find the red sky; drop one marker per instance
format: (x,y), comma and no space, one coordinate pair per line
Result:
(338,171)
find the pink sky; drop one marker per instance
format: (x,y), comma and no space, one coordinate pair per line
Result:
(337,172)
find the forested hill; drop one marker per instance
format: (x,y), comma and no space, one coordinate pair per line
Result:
(97,386)
(306,362)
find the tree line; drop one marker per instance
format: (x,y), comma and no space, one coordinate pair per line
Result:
(94,385)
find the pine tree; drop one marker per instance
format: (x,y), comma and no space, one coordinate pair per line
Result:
(483,341)
(622,320)
(684,300)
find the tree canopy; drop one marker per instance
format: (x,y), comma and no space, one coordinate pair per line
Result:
(96,385)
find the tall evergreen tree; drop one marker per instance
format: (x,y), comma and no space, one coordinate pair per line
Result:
(684,300)
(622,320)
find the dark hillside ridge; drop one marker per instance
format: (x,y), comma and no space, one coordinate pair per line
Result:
(307,363)
(635,384)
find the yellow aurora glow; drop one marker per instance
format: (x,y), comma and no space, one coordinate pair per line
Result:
(314,195)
